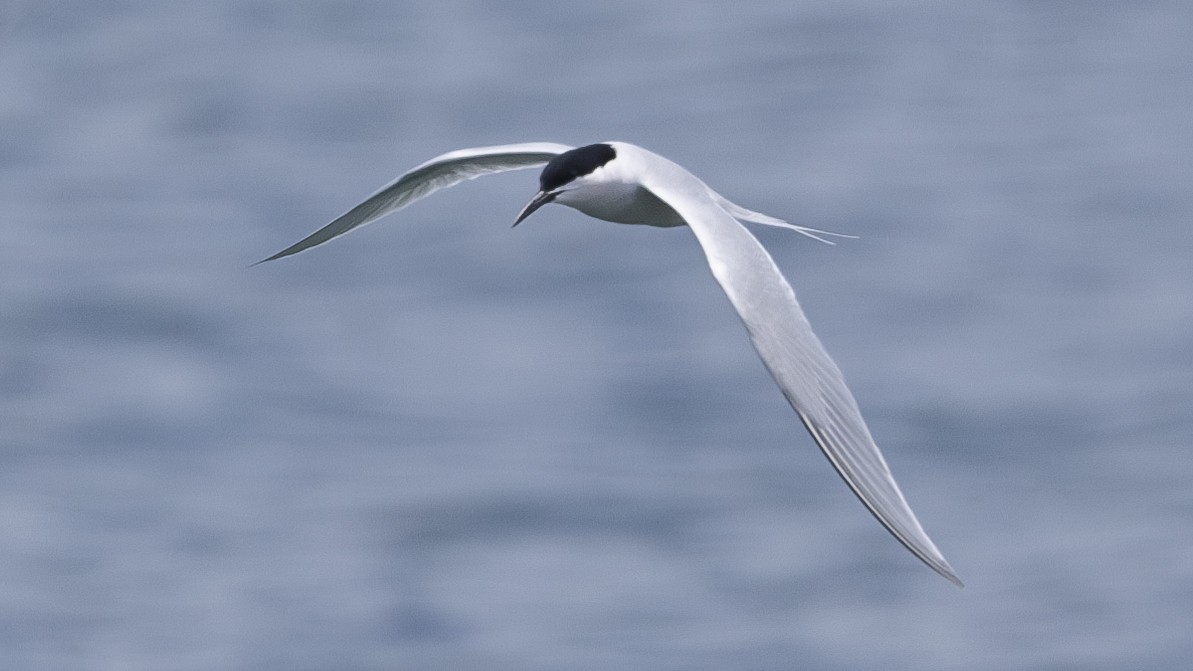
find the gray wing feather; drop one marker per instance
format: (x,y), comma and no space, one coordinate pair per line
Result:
(812,383)
(438,173)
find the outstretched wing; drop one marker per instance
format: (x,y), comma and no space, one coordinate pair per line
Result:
(792,353)
(438,173)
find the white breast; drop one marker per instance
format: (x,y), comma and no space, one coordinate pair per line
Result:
(605,196)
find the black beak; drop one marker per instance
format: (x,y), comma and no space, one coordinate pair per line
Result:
(540,199)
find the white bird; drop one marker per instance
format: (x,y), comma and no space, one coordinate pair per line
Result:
(624,183)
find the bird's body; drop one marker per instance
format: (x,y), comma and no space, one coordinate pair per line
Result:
(616,194)
(624,183)
(624,204)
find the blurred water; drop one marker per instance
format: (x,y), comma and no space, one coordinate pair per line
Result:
(441,444)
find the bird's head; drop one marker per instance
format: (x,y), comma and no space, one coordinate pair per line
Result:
(568,171)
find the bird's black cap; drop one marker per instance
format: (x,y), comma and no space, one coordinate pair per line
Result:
(571,164)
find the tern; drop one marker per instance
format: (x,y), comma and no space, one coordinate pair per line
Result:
(626,184)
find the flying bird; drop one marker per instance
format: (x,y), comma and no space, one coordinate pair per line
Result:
(624,183)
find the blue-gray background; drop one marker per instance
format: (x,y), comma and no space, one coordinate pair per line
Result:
(441,444)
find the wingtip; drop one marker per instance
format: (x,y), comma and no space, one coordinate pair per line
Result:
(289,251)
(266,260)
(934,560)
(952,577)
(942,566)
